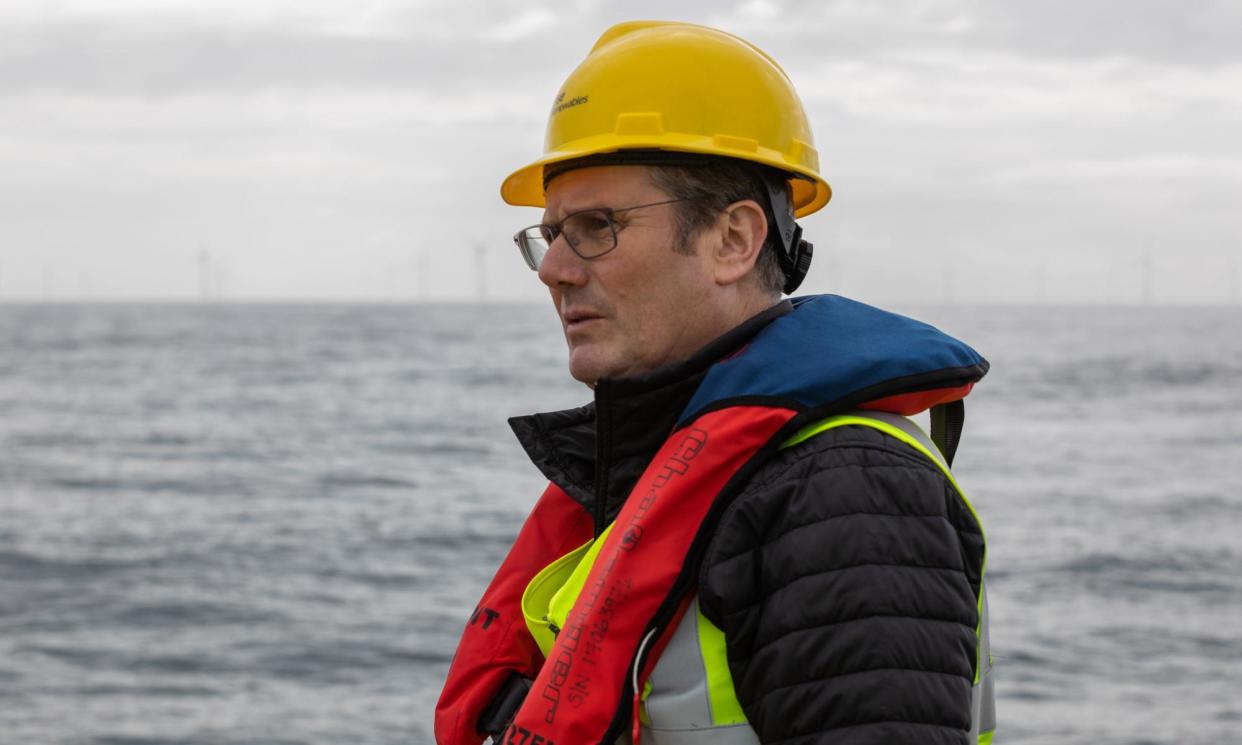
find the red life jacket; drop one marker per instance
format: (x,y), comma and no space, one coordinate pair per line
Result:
(827,356)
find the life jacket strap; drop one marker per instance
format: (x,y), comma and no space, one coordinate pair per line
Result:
(947,421)
(500,711)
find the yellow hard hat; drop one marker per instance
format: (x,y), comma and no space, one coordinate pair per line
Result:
(654,85)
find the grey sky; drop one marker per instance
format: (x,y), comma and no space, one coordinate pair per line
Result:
(990,151)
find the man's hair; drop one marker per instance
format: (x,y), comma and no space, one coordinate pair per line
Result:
(711,187)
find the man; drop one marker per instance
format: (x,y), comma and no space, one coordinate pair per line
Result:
(743,540)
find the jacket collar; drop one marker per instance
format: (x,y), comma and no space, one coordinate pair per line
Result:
(595,453)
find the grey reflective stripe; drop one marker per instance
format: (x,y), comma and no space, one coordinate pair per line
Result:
(679,707)
(905,425)
(983,695)
(733,734)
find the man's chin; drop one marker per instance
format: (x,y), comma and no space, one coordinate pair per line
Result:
(584,374)
(587,367)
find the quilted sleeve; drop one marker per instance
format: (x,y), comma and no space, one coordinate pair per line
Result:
(846,581)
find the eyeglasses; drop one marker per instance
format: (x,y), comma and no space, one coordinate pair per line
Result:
(589,233)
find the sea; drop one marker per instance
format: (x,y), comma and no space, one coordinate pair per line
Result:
(266,524)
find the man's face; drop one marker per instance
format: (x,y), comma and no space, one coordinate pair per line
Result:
(640,306)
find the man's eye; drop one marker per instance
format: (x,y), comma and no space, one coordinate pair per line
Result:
(593,223)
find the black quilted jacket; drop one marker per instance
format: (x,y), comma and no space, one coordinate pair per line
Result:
(844,576)
(845,580)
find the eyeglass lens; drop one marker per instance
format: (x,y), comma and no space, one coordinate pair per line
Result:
(589,234)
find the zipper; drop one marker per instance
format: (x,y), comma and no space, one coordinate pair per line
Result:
(663,614)
(603,429)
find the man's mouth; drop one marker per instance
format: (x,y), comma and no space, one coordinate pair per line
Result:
(578,318)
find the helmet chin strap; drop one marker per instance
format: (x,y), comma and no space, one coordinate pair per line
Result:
(795,254)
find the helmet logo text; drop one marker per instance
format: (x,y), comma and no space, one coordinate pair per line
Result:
(560,104)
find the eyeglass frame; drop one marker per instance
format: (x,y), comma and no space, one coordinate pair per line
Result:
(608,212)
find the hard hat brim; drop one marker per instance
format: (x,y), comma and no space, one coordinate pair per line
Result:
(524,187)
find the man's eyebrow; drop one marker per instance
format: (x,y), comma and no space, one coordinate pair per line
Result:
(579,208)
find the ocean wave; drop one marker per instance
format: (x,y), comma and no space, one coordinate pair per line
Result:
(23,565)
(198,613)
(1202,574)
(1109,376)
(352,480)
(331,662)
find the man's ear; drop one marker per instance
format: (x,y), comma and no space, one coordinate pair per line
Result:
(743,228)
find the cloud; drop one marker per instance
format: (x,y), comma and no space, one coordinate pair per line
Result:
(985,89)
(102,56)
(372,17)
(336,110)
(530,24)
(271,137)
(761,11)
(837,18)
(1144,170)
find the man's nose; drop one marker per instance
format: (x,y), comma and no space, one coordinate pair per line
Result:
(561,267)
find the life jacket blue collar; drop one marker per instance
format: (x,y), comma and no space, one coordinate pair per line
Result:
(831,354)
